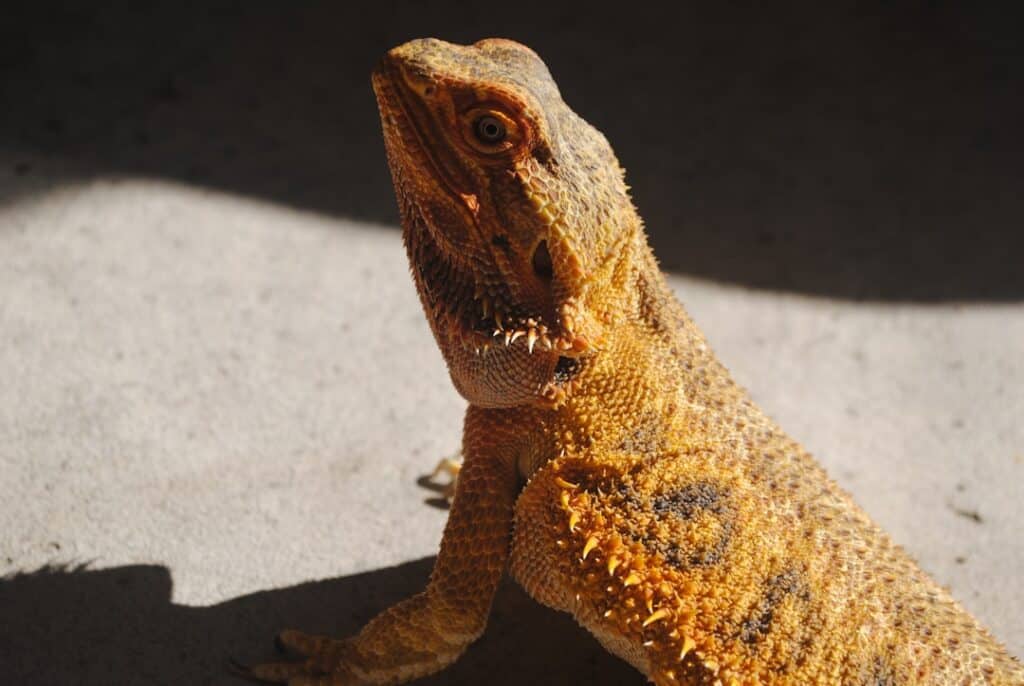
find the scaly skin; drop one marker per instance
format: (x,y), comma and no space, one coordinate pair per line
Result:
(661,507)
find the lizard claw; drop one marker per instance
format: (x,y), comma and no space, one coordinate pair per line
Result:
(450,466)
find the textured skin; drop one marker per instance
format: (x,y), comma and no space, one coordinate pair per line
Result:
(611,463)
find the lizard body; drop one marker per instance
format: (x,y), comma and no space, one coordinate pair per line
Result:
(611,463)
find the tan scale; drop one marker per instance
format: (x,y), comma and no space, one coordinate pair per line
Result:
(610,462)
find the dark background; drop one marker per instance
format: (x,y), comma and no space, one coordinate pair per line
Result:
(868,153)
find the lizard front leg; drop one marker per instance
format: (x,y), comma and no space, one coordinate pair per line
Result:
(428,631)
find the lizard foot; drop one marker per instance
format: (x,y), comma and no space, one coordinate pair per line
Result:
(451,467)
(323,666)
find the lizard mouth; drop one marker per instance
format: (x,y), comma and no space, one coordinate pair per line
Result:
(470,301)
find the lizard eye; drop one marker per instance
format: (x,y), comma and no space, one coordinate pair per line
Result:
(489,130)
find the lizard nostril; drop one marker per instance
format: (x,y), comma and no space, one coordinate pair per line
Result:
(542,261)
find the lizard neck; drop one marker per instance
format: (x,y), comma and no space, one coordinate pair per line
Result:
(656,337)
(653,381)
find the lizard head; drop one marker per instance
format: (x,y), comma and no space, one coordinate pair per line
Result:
(515,214)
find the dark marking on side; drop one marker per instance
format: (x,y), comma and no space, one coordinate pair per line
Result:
(686,503)
(688,500)
(759,623)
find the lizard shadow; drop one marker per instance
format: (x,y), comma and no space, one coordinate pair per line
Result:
(64,625)
(438,500)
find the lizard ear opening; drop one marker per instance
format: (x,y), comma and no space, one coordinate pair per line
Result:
(542,265)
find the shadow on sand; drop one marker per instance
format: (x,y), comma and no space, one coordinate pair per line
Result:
(119,626)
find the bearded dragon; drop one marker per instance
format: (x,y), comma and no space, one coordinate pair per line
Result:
(610,462)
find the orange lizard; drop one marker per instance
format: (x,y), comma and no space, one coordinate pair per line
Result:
(610,462)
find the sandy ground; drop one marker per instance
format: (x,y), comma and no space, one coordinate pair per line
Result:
(216,412)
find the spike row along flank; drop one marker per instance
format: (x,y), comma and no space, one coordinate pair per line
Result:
(631,594)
